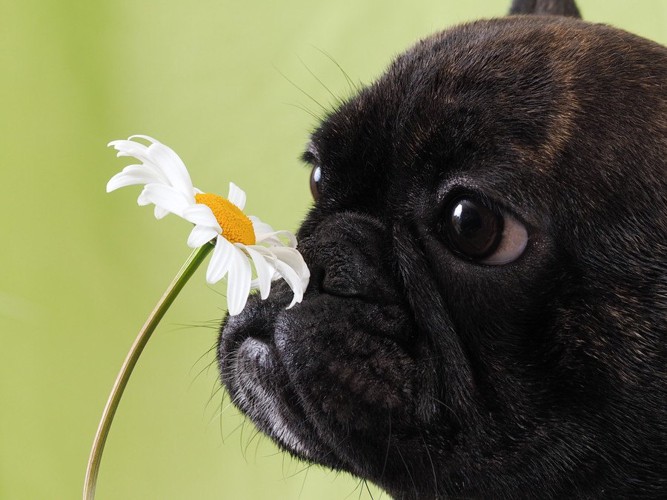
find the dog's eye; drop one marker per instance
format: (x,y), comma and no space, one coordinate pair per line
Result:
(483,234)
(315,177)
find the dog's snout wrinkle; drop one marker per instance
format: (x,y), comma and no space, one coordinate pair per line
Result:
(347,274)
(345,255)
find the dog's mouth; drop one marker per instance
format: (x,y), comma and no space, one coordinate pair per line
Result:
(324,392)
(259,385)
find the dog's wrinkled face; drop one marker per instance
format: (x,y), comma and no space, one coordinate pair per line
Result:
(488,250)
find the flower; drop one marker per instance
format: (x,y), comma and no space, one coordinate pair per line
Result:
(239,239)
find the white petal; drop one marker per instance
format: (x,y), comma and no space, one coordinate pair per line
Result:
(259,226)
(164,197)
(162,158)
(238,282)
(236,195)
(132,175)
(220,260)
(159,212)
(273,238)
(145,137)
(294,259)
(201,215)
(264,233)
(265,271)
(201,235)
(290,266)
(172,166)
(292,279)
(130,148)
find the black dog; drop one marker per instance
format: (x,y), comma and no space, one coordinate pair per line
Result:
(487,310)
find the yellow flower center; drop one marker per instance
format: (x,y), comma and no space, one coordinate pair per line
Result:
(236,227)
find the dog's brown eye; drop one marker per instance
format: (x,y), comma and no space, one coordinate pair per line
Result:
(480,233)
(315,177)
(473,229)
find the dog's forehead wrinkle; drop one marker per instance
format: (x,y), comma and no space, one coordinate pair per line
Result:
(548,98)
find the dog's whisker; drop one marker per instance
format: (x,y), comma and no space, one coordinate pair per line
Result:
(370,494)
(222,409)
(236,429)
(440,402)
(354,87)
(430,459)
(300,89)
(386,453)
(201,357)
(336,99)
(215,390)
(357,486)
(257,438)
(306,469)
(305,109)
(407,470)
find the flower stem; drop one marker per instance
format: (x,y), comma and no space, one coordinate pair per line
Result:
(172,291)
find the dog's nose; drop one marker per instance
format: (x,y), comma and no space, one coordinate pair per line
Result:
(347,255)
(347,271)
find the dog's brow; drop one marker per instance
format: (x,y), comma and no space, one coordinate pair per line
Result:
(310,155)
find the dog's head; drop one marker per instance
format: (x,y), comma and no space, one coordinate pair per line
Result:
(488,247)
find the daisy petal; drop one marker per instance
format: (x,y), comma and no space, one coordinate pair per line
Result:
(265,272)
(292,279)
(236,195)
(172,166)
(160,213)
(132,175)
(165,197)
(274,238)
(130,148)
(297,279)
(294,259)
(238,283)
(201,215)
(148,138)
(201,235)
(259,226)
(220,260)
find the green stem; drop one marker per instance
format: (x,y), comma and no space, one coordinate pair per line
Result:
(177,284)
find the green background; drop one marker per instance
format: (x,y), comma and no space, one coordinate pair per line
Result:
(81,269)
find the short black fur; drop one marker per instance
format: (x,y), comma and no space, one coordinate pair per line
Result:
(439,377)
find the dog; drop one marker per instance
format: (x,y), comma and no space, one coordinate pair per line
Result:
(487,308)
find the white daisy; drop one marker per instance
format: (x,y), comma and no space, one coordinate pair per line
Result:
(239,239)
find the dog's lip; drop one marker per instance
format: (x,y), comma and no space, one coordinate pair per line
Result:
(256,350)
(251,343)
(259,352)
(254,353)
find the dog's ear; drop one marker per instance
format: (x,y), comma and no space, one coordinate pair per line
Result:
(552,7)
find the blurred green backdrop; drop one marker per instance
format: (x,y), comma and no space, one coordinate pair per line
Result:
(82,269)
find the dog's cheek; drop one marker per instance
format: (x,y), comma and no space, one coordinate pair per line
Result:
(344,364)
